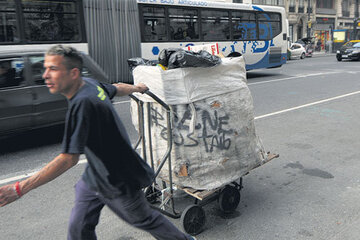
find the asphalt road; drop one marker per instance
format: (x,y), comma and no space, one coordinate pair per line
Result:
(307,111)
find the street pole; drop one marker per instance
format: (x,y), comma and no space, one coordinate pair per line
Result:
(309,20)
(356,19)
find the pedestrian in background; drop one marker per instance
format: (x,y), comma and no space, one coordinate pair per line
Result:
(115,173)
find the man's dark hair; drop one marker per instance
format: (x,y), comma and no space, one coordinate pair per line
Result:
(72,56)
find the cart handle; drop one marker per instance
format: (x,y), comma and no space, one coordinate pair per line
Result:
(157,99)
(153,96)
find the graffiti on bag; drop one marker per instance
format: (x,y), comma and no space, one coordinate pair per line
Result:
(211,129)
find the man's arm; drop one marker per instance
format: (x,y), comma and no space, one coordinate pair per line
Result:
(123,89)
(52,170)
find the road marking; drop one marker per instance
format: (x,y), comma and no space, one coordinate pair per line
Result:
(115,103)
(307,105)
(26,175)
(300,76)
(83,159)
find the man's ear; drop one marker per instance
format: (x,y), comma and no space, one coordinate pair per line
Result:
(75,73)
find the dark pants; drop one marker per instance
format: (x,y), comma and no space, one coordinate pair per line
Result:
(134,209)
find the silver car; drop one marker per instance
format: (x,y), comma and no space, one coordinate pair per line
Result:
(25,101)
(297,51)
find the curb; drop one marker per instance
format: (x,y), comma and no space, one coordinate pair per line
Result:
(323,54)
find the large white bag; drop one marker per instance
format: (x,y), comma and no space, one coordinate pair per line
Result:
(214,139)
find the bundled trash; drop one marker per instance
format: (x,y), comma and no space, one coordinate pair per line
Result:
(171,58)
(134,62)
(180,58)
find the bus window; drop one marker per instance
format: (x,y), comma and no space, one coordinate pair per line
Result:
(183,24)
(269,25)
(8,29)
(51,21)
(215,25)
(244,25)
(154,24)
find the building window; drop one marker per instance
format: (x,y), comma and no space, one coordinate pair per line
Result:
(292,6)
(325,4)
(301,6)
(345,6)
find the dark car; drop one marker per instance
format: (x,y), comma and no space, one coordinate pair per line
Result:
(350,50)
(307,43)
(25,101)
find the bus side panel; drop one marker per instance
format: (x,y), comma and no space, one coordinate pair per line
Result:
(257,54)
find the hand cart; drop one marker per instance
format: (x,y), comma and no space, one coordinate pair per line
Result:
(161,193)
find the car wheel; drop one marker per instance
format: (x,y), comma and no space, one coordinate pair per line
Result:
(339,58)
(302,56)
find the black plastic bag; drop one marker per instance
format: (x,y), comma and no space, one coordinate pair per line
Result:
(134,62)
(180,58)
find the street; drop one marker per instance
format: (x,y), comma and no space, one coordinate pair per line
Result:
(306,111)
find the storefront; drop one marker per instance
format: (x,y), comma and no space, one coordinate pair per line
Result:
(322,31)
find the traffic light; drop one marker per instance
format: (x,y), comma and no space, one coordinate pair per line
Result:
(356,25)
(357,22)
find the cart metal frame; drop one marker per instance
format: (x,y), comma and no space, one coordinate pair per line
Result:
(193,216)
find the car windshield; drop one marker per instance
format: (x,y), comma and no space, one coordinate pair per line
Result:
(349,44)
(357,45)
(300,42)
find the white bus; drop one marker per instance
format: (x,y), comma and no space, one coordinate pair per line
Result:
(257,32)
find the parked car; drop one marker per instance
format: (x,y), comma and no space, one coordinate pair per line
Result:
(308,44)
(349,50)
(297,51)
(25,101)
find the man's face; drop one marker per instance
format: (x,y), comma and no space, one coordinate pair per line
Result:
(57,78)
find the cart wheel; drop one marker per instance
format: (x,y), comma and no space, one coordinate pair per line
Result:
(193,219)
(152,195)
(229,199)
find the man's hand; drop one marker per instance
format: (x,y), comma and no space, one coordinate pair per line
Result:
(8,194)
(123,89)
(52,170)
(141,88)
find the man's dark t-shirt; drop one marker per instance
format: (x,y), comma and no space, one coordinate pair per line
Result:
(94,128)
